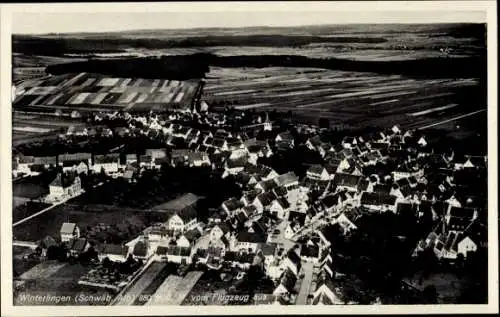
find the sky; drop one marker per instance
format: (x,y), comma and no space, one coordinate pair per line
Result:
(29,22)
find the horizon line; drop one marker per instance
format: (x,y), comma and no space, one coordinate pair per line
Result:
(244,27)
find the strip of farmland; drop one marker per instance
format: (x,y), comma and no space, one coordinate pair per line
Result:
(147,277)
(175,289)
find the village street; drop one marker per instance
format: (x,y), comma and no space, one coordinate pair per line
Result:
(305,286)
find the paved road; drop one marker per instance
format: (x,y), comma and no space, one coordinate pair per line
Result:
(452,119)
(304,291)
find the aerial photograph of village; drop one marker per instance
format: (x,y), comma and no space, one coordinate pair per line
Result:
(322,164)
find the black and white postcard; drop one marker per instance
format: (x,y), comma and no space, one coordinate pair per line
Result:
(249,158)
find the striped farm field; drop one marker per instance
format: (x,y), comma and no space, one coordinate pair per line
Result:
(97,92)
(350,98)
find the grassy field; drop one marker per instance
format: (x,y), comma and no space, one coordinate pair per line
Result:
(49,223)
(19,265)
(36,127)
(354,98)
(26,210)
(62,281)
(156,283)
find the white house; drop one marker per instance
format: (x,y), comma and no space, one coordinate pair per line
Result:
(69,231)
(220,230)
(280,207)
(466,245)
(378,201)
(64,186)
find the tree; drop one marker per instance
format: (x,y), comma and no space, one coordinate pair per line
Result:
(430,294)
(324,123)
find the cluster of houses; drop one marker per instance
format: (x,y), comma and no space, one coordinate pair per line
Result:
(390,171)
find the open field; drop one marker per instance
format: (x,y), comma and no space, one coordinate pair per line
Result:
(19,265)
(352,98)
(175,289)
(85,92)
(49,223)
(32,127)
(63,281)
(147,293)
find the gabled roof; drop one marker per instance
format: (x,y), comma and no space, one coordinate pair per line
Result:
(288,280)
(255,237)
(283,202)
(68,228)
(114,249)
(78,245)
(266,198)
(315,169)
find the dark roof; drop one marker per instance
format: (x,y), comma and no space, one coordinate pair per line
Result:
(294,258)
(377,199)
(257,237)
(310,250)
(140,249)
(349,180)
(192,235)
(115,249)
(266,198)
(403,182)
(233,204)
(107,158)
(283,202)
(288,280)
(382,188)
(241,217)
(330,200)
(161,250)
(280,191)
(459,212)
(180,251)
(405,208)
(297,217)
(78,245)
(268,185)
